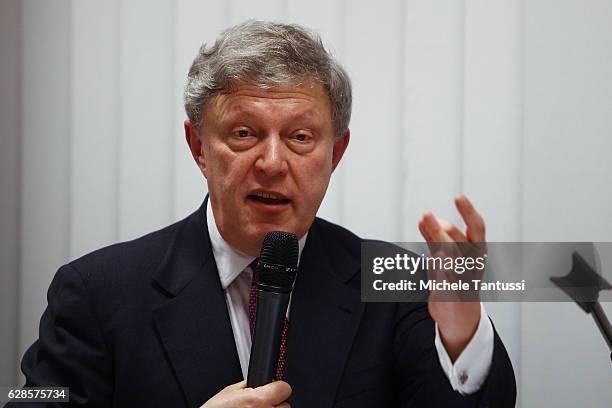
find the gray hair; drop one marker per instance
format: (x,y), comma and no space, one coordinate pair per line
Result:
(266,55)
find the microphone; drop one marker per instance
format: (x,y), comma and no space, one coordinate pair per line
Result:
(583,284)
(276,273)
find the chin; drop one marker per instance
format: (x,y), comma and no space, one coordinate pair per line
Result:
(262,230)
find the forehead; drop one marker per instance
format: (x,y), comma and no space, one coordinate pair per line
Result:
(309,99)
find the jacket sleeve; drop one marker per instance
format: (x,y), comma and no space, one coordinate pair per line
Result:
(70,351)
(421,382)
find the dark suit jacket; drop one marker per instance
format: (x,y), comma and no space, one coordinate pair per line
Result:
(145,324)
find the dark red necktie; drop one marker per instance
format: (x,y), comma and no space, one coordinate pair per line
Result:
(280,367)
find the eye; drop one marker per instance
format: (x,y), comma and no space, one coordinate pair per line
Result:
(301,137)
(242,134)
(241,138)
(302,141)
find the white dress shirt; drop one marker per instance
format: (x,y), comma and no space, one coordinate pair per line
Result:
(466,375)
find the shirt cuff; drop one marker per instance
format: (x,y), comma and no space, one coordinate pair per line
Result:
(472,366)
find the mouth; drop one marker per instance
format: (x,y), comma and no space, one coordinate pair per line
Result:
(269,198)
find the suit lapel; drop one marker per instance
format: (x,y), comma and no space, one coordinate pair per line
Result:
(325,314)
(193,324)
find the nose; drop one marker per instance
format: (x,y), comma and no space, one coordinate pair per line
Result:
(271,160)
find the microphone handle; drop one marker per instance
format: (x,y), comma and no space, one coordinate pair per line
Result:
(271,312)
(602,323)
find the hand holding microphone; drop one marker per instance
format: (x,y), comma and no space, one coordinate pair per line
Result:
(239,396)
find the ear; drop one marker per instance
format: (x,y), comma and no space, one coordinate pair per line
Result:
(192,136)
(340,146)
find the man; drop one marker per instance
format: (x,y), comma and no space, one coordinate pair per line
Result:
(164,321)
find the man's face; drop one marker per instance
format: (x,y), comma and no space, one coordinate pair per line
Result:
(268,156)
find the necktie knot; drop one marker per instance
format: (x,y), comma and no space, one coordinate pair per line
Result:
(253,264)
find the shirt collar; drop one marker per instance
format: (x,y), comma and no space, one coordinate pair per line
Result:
(230,261)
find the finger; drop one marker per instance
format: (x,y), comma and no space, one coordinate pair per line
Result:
(423,230)
(438,237)
(473,220)
(275,392)
(434,229)
(452,230)
(284,405)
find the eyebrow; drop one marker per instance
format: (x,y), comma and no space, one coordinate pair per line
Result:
(238,111)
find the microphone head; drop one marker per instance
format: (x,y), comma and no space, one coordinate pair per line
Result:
(278,261)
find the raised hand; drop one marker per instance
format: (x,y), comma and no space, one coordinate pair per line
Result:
(457,320)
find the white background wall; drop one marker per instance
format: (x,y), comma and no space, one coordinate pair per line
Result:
(507,101)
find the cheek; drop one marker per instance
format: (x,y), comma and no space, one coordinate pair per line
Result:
(228,170)
(315,175)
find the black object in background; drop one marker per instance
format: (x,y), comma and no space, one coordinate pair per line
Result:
(583,284)
(276,273)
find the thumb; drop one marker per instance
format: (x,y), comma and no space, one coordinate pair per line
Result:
(237,386)
(276,392)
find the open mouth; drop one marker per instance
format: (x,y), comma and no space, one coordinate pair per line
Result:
(268,198)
